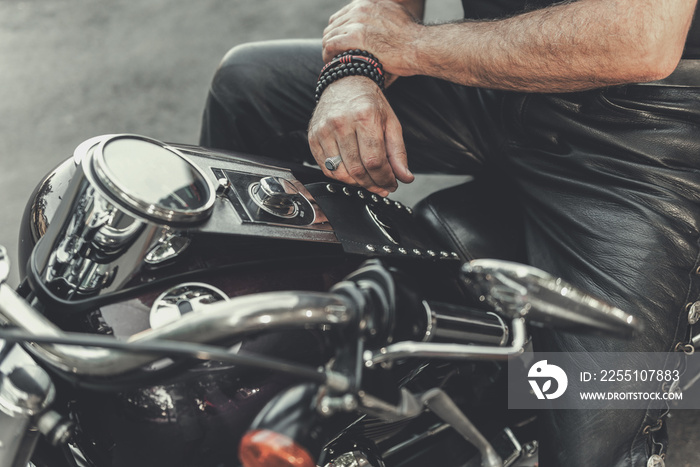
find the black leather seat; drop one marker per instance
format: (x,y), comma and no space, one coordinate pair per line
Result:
(476,220)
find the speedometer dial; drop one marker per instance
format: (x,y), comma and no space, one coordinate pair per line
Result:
(153,179)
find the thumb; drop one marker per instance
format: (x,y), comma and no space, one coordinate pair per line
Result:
(396,151)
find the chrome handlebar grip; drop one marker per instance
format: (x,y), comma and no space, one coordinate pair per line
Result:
(410,349)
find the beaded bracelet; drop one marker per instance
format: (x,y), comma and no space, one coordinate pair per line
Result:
(350,63)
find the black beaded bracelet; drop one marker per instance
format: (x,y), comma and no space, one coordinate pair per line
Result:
(350,63)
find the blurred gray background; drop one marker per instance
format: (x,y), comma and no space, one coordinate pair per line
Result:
(73,69)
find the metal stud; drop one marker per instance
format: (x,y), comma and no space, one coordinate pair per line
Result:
(409,210)
(431,253)
(387,249)
(375,198)
(361,194)
(330,188)
(454,255)
(403,251)
(444,254)
(693,312)
(398,205)
(417,252)
(370,247)
(386,201)
(346,191)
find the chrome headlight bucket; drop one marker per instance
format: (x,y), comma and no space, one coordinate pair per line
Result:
(129,204)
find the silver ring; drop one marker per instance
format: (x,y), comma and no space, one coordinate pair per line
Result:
(333,163)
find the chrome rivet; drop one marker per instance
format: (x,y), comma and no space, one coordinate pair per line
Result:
(431,253)
(416,251)
(370,247)
(398,205)
(330,188)
(444,254)
(693,312)
(386,249)
(361,194)
(454,255)
(346,191)
(403,251)
(375,198)
(386,201)
(409,210)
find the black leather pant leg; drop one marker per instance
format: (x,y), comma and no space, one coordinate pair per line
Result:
(610,187)
(447,128)
(262,97)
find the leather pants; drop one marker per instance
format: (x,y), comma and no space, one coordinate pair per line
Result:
(608,182)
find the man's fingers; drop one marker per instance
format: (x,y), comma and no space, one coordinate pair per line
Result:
(396,150)
(335,16)
(349,151)
(323,148)
(340,39)
(338,20)
(374,157)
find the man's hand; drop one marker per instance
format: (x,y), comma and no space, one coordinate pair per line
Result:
(383,27)
(354,120)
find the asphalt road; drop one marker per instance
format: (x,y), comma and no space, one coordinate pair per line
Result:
(73,69)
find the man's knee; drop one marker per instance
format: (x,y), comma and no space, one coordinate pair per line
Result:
(261,96)
(239,74)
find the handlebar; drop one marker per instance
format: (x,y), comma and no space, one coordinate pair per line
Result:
(509,286)
(234,318)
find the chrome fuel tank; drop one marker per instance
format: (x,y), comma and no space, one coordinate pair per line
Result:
(134,206)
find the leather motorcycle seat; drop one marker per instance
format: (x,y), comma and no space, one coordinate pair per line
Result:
(475,220)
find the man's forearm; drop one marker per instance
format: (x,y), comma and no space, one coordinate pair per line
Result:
(417,9)
(567,47)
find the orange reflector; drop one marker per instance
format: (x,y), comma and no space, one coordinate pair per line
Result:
(265,448)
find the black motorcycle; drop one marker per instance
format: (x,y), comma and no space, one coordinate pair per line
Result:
(189,307)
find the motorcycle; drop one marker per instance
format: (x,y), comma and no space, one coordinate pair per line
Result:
(185,306)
